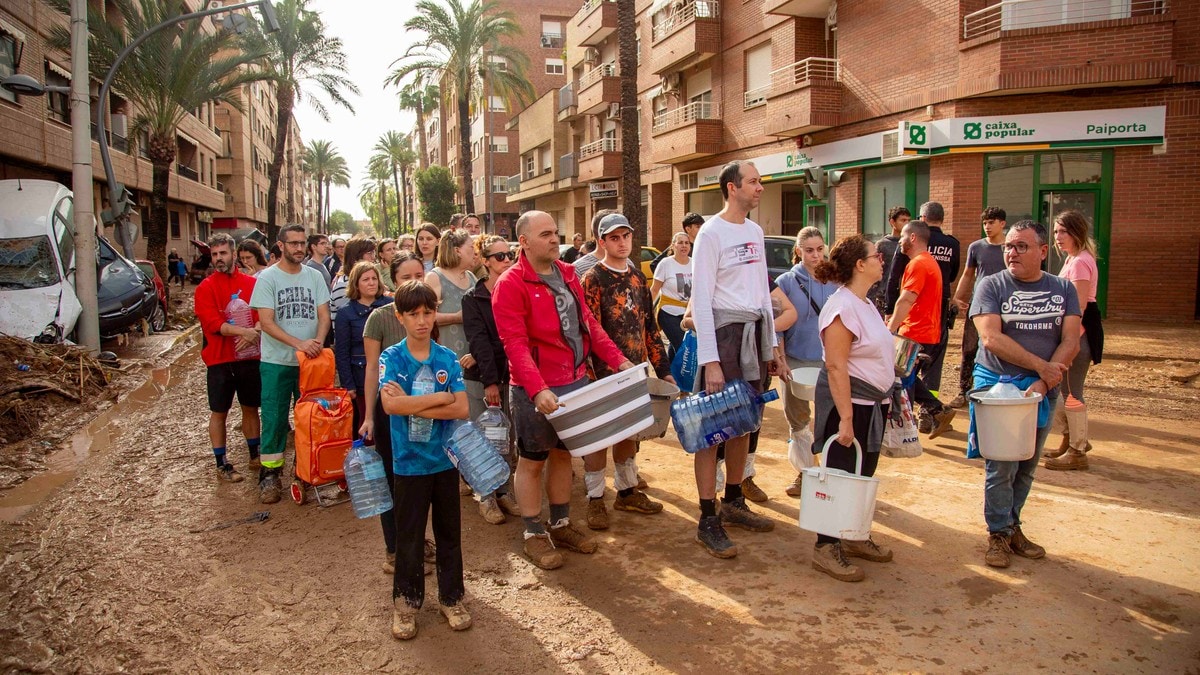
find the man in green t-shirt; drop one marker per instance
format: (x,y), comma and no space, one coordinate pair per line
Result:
(292,301)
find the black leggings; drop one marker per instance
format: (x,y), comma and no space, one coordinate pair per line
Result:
(383,445)
(414,496)
(669,323)
(842,457)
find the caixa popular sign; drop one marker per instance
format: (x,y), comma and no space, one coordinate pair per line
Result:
(1102,127)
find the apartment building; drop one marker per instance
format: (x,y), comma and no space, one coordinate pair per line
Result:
(1033,105)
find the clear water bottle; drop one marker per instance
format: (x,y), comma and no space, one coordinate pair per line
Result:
(495,426)
(703,420)
(420,429)
(237,313)
(367,481)
(477,459)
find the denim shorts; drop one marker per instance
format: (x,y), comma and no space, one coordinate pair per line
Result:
(535,436)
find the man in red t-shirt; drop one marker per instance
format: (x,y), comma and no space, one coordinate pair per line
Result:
(227,374)
(918,315)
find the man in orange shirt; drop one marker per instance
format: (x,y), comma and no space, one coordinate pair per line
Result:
(918,314)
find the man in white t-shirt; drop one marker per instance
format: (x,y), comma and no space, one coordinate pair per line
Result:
(735,335)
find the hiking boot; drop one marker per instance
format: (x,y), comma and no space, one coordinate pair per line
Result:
(597,515)
(464,489)
(711,535)
(269,487)
(1021,545)
(794,490)
(831,559)
(998,550)
(941,422)
(753,492)
(508,505)
(959,401)
(254,463)
(736,513)
(571,538)
(1060,450)
(457,615)
(389,563)
(1072,460)
(924,421)
(540,551)
(490,510)
(867,550)
(637,502)
(430,553)
(404,620)
(643,486)
(229,474)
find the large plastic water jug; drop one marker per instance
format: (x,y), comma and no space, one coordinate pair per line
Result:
(367,481)
(420,429)
(476,458)
(495,426)
(237,313)
(703,420)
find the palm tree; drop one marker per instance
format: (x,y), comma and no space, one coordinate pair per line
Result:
(378,171)
(318,155)
(420,97)
(300,54)
(395,149)
(461,45)
(631,170)
(339,174)
(171,73)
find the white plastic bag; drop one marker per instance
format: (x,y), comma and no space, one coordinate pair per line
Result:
(800,450)
(901,440)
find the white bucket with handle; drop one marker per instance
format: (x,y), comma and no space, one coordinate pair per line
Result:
(838,503)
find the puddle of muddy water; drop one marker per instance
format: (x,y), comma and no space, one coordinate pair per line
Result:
(95,438)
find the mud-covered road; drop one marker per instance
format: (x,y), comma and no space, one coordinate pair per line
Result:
(112,573)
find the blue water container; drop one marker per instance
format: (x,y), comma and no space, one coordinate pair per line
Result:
(703,420)
(481,466)
(370,494)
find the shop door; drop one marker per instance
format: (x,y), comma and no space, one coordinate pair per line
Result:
(1054,202)
(793,211)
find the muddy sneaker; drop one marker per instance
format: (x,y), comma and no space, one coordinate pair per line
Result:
(753,492)
(430,553)
(638,502)
(569,537)
(269,488)
(254,463)
(711,535)
(796,488)
(457,616)
(998,550)
(831,559)
(959,401)
(924,421)
(867,550)
(229,474)
(389,564)
(540,551)
(508,505)
(643,486)
(597,515)
(941,422)
(404,620)
(736,513)
(490,510)
(464,489)
(1023,547)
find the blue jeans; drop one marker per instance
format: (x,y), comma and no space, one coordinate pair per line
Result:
(1006,486)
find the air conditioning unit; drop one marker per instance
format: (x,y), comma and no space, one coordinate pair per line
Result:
(672,82)
(547,41)
(614,111)
(591,55)
(891,146)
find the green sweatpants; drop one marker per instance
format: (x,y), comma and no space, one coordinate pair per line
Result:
(280,391)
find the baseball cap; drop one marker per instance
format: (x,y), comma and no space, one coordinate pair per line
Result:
(611,223)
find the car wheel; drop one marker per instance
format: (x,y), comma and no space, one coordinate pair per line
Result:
(158,319)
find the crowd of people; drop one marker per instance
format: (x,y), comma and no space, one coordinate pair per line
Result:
(519,327)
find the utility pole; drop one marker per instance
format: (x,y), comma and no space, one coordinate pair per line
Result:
(88,327)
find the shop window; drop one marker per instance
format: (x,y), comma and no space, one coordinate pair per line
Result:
(705,203)
(1070,168)
(905,184)
(1009,184)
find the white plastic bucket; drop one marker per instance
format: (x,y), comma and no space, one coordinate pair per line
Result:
(661,395)
(604,412)
(838,503)
(1006,428)
(804,383)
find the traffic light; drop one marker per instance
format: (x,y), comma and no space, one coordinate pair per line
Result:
(123,205)
(817,182)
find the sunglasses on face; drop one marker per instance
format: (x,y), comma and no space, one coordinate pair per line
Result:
(502,256)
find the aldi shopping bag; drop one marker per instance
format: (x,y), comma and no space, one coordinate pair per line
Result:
(900,438)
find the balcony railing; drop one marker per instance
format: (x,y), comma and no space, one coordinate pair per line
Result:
(685,14)
(801,72)
(552,40)
(566,96)
(589,5)
(1017,14)
(187,172)
(220,186)
(755,97)
(699,110)
(594,75)
(567,166)
(598,147)
(119,143)
(514,184)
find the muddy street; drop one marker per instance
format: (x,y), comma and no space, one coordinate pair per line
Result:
(118,569)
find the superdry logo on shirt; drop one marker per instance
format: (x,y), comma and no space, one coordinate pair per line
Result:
(295,302)
(1029,310)
(743,254)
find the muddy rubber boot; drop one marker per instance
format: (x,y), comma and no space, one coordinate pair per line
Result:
(1075,458)
(1059,422)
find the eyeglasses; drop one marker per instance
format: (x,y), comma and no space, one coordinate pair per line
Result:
(878,255)
(502,256)
(1020,247)
(294,243)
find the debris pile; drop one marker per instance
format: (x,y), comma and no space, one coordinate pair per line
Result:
(36,379)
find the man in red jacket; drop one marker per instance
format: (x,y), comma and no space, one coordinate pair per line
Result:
(227,374)
(548,335)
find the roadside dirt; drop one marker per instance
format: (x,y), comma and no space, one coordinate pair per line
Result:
(111,572)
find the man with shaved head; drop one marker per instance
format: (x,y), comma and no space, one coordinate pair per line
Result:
(548,335)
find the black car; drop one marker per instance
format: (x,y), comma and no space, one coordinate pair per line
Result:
(125,295)
(780,249)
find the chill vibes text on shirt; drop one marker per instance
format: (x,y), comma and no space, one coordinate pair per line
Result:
(295,302)
(1032,310)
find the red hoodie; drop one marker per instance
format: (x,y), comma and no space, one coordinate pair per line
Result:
(212,296)
(527,320)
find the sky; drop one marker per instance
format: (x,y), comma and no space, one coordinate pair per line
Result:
(373,36)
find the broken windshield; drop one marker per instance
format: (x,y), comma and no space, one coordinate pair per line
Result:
(27,262)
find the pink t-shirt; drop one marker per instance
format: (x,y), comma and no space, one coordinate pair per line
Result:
(873,350)
(1082,267)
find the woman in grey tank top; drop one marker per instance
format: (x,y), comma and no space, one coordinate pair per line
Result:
(451,279)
